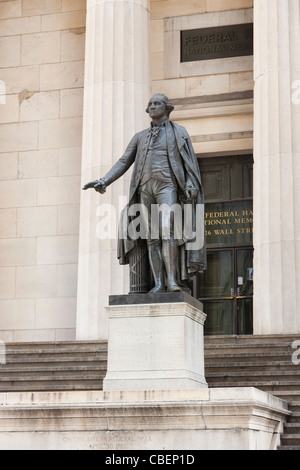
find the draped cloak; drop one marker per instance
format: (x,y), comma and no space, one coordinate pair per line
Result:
(185,168)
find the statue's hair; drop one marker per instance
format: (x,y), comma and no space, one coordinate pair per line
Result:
(166,101)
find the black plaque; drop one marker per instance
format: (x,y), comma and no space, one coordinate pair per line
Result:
(229,223)
(217,43)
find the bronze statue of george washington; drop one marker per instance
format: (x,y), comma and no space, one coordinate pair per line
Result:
(165,175)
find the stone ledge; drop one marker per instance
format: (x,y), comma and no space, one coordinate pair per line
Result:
(181,309)
(216,419)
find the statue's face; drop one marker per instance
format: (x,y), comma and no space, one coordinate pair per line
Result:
(157,108)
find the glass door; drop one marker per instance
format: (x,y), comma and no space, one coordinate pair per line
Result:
(216,292)
(244,290)
(226,287)
(226,290)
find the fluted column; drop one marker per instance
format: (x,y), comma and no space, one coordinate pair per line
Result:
(116,93)
(276,167)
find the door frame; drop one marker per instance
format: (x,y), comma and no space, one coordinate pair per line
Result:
(235,297)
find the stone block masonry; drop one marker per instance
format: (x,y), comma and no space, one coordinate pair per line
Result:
(42,66)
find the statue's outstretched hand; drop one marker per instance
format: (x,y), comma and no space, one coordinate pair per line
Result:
(98,185)
(90,185)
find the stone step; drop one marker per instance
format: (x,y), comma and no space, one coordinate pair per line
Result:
(71,375)
(53,354)
(239,354)
(58,345)
(289,448)
(295,417)
(24,350)
(52,386)
(48,353)
(267,386)
(55,362)
(57,370)
(40,382)
(252,375)
(232,340)
(245,350)
(292,396)
(292,428)
(248,343)
(290,440)
(237,366)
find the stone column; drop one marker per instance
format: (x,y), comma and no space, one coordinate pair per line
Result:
(117,89)
(277,167)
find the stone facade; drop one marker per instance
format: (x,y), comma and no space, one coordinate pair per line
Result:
(212,101)
(215,126)
(63,64)
(42,55)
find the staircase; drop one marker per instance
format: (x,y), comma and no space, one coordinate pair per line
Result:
(264,362)
(50,366)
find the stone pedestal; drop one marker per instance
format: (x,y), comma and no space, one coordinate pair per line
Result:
(155,342)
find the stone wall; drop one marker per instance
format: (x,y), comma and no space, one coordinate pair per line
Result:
(41,70)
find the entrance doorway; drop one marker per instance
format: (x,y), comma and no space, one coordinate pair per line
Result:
(226,287)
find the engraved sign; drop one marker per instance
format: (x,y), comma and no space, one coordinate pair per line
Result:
(229,223)
(217,43)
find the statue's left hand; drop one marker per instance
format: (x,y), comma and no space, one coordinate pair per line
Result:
(190,194)
(100,187)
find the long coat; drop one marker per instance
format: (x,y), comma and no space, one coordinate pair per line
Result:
(185,167)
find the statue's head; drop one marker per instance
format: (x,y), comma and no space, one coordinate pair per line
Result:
(164,99)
